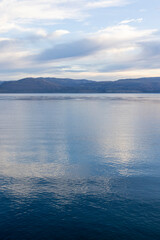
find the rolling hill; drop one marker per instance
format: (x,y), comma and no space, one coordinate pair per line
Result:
(66,85)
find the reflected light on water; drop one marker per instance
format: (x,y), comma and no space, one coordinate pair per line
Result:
(83,166)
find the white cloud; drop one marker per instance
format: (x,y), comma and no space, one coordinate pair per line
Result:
(116,50)
(109,49)
(139,20)
(122,36)
(15,12)
(59,33)
(115,75)
(43,28)
(37,34)
(108,3)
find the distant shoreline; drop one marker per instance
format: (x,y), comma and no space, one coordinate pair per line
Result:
(82,86)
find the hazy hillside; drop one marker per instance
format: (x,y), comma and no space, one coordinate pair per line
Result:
(62,85)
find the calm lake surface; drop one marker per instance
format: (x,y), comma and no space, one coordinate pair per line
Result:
(80,166)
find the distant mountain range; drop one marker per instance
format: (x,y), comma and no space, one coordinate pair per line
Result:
(66,85)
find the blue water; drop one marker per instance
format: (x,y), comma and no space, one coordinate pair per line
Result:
(78,166)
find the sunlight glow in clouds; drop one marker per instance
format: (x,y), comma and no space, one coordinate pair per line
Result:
(100,39)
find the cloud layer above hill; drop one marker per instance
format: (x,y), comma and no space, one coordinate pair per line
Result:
(100,39)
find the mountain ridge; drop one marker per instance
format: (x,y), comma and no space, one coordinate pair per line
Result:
(68,85)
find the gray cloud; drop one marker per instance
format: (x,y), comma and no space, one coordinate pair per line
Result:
(148,57)
(7,44)
(116,67)
(106,51)
(79,48)
(150,48)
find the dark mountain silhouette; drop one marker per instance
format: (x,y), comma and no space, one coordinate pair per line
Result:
(66,85)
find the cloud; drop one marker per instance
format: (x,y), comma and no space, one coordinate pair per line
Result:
(50,36)
(150,48)
(24,11)
(79,48)
(60,32)
(108,3)
(145,55)
(111,49)
(125,33)
(41,34)
(111,39)
(138,20)
(149,55)
(15,12)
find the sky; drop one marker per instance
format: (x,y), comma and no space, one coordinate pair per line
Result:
(102,40)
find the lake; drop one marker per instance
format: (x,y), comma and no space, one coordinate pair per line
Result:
(80,166)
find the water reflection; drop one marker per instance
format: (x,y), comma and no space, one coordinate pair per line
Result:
(76,138)
(63,162)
